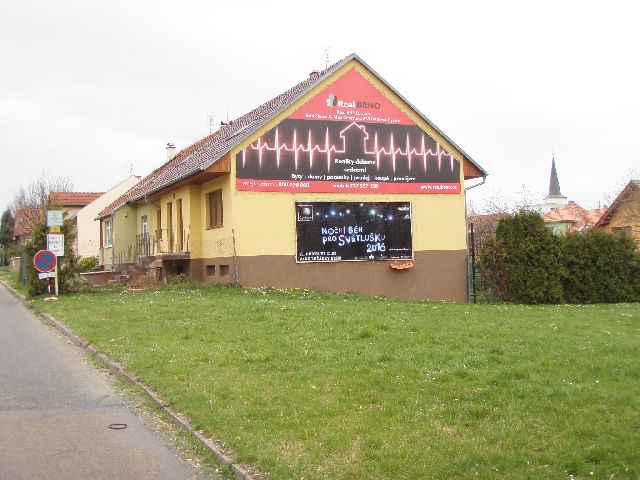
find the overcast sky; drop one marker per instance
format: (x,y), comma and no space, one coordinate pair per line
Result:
(89,90)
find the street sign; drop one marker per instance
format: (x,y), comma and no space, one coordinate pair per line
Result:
(42,276)
(54,218)
(55,243)
(44,261)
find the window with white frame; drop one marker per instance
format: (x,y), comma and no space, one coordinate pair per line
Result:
(108,233)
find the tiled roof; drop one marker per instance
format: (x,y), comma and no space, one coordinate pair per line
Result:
(580,218)
(608,214)
(205,151)
(73,199)
(211,148)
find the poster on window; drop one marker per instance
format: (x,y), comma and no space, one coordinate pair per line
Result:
(349,138)
(339,231)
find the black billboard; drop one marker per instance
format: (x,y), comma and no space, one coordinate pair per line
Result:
(338,231)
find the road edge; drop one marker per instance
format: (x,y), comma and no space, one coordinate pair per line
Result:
(240,472)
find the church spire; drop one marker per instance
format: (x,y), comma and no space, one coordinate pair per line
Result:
(554,184)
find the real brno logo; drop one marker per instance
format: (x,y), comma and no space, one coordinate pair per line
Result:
(305,213)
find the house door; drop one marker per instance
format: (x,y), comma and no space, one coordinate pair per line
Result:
(144,242)
(180,225)
(170,245)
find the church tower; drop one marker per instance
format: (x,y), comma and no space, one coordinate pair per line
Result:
(555,198)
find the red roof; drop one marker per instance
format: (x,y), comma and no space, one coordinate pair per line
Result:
(580,218)
(73,199)
(211,148)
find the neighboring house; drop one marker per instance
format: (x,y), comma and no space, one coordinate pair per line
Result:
(337,184)
(26,220)
(88,227)
(572,218)
(72,202)
(623,216)
(562,215)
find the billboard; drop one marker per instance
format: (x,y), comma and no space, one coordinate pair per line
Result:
(337,231)
(349,138)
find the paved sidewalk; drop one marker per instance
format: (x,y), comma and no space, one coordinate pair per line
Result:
(55,412)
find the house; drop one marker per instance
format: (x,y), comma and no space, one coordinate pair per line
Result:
(572,218)
(562,215)
(337,184)
(72,202)
(26,220)
(88,228)
(623,216)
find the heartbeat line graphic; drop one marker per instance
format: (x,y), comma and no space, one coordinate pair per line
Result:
(326,150)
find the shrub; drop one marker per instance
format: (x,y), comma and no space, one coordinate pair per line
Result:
(88,264)
(182,280)
(601,268)
(522,263)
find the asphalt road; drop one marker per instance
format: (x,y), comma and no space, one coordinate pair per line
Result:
(55,412)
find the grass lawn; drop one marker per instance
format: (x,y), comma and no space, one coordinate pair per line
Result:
(13,279)
(316,385)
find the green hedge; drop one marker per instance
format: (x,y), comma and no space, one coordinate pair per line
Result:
(526,263)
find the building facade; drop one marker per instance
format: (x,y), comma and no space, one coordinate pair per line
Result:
(337,184)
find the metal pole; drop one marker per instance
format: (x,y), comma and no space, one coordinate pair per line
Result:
(56,270)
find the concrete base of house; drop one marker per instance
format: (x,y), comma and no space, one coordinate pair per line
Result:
(98,279)
(436,275)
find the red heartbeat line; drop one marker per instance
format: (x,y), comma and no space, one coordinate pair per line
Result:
(308,147)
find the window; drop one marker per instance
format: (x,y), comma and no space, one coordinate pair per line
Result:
(108,233)
(144,225)
(214,209)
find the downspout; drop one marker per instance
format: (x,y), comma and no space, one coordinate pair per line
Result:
(466,219)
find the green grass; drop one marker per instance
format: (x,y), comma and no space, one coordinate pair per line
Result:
(13,280)
(316,385)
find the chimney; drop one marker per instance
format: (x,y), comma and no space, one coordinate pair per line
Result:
(314,73)
(171,151)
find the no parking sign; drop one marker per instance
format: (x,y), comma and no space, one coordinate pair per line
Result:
(44,261)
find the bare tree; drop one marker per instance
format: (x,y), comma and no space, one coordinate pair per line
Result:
(29,203)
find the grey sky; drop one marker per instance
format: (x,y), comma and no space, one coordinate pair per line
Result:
(89,88)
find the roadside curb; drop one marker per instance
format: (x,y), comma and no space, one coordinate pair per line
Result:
(240,472)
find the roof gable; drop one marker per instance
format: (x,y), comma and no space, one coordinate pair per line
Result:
(205,152)
(628,190)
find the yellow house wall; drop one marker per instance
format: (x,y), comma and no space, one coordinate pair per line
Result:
(627,215)
(264,223)
(124,234)
(150,211)
(217,242)
(190,215)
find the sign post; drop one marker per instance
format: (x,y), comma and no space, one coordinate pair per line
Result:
(46,262)
(55,244)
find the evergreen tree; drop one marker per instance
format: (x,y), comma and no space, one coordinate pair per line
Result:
(522,264)
(6,228)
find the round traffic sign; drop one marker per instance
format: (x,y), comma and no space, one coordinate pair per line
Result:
(44,261)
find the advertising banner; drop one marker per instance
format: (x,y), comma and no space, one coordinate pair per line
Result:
(351,139)
(337,231)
